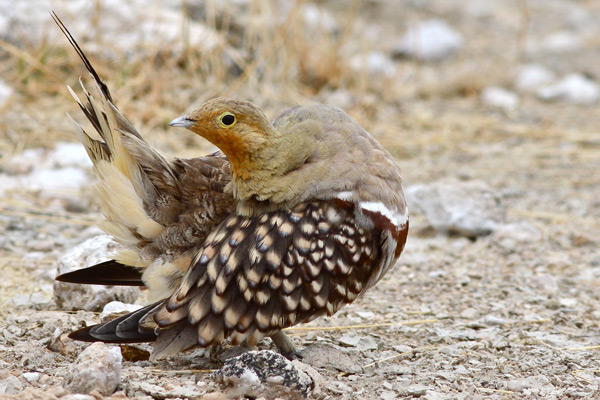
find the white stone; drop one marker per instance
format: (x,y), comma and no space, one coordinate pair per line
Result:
(71,296)
(531,77)
(469,208)
(388,395)
(56,179)
(115,307)
(319,19)
(437,274)
(430,40)
(573,88)
(31,300)
(31,376)
(69,154)
(498,97)
(98,367)
(365,314)
(492,320)
(560,42)
(10,385)
(360,342)
(376,64)
(567,302)
(510,236)
(5,92)
(78,396)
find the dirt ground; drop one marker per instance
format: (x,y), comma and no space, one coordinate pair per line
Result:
(512,314)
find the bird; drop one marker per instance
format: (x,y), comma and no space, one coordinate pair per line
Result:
(290,220)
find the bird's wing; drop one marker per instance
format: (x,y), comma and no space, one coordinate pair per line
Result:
(152,206)
(258,275)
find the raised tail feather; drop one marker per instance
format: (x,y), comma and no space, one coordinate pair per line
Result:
(127,168)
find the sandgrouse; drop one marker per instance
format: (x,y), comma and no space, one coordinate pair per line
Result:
(293,220)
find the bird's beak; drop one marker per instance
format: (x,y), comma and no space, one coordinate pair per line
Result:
(184,121)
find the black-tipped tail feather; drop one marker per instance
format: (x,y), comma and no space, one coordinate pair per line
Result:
(125,329)
(106,273)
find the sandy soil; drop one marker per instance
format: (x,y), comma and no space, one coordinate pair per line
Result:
(514,313)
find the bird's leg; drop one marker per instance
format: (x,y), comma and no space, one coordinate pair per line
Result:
(285,346)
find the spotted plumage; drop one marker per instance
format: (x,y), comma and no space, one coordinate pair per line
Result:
(295,219)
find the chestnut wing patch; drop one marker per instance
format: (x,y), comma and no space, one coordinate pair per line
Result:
(257,275)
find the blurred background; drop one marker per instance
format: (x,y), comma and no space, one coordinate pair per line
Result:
(490,106)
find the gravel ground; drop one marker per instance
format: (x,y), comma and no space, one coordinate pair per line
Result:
(511,313)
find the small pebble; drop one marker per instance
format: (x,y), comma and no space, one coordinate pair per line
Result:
(492,320)
(567,302)
(5,92)
(31,377)
(429,40)
(115,307)
(517,385)
(498,97)
(388,395)
(574,88)
(531,77)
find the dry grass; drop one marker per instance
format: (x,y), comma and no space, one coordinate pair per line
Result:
(273,64)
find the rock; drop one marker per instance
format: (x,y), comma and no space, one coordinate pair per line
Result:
(116,307)
(70,296)
(10,385)
(388,395)
(31,377)
(518,386)
(567,302)
(365,314)
(429,40)
(78,396)
(498,97)
(437,274)
(34,300)
(560,42)
(574,89)
(98,367)
(492,320)
(510,236)
(67,178)
(68,154)
(260,373)
(415,390)
(433,395)
(546,282)
(319,19)
(322,355)
(469,208)
(531,77)
(5,92)
(360,342)
(375,63)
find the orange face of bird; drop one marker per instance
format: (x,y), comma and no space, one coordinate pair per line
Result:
(238,128)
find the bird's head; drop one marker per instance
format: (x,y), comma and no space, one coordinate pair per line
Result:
(239,128)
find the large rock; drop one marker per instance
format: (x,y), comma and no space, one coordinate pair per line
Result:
(72,296)
(264,374)
(98,367)
(469,208)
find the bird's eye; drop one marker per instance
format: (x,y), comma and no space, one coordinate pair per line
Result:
(227,120)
